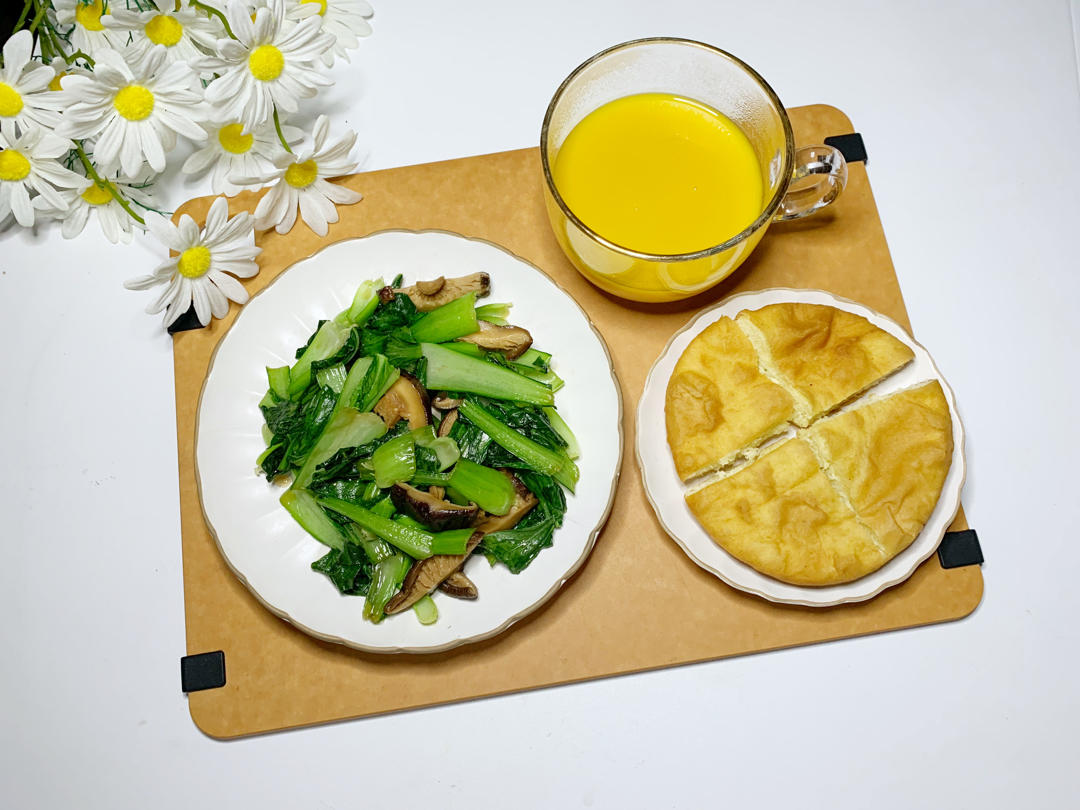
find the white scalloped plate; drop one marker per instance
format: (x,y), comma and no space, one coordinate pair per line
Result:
(666,492)
(272,555)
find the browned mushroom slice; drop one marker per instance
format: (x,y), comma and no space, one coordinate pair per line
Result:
(406,399)
(434,512)
(459,586)
(445,403)
(447,423)
(513,341)
(426,575)
(524,500)
(429,295)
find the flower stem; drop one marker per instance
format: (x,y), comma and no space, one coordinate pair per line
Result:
(78,55)
(280,134)
(216,13)
(41,9)
(105,184)
(23,16)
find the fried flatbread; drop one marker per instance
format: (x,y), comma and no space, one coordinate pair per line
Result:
(719,402)
(822,355)
(782,516)
(890,459)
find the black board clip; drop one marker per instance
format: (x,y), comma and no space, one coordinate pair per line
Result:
(202,671)
(958,549)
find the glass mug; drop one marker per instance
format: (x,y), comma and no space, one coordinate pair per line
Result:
(797,182)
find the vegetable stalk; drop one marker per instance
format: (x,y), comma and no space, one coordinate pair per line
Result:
(450,370)
(556,464)
(452,320)
(487,488)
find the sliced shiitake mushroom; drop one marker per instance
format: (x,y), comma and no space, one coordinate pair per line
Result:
(459,586)
(432,294)
(447,423)
(426,575)
(406,399)
(512,341)
(434,512)
(524,500)
(445,403)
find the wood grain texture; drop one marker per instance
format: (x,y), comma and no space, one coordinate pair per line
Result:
(649,605)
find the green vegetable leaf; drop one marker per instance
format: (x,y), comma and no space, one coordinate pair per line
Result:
(389,315)
(518,547)
(343,355)
(349,569)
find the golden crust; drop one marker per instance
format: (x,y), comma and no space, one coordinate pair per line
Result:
(718,401)
(890,458)
(824,355)
(782,516)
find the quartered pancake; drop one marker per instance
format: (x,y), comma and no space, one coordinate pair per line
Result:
(889,458)
(822,355)
(719,402)
(782,516)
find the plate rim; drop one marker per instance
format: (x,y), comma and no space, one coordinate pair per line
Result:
(590,542)
(917,559)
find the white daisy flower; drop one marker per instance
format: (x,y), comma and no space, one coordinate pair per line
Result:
(300,183)
(268,65)
(24,88)
(347,20)
(185,33)
(232,151)
(135,112)
(199,272)
(115,222)
(60,70)
(30,163)
(88,34)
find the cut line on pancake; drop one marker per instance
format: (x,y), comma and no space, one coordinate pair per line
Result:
(883,388)
(834,355)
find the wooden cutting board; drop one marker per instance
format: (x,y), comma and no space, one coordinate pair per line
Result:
(638,603)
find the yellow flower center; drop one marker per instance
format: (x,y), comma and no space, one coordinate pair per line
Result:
(13,165)
(11,102)
(134,102)
(55,83)
(233,139)
(96,195)
(194,262)
(302,175)
(89,15)
(266,63)
(164,30)
(322,6)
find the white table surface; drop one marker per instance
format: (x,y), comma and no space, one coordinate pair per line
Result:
(971,115)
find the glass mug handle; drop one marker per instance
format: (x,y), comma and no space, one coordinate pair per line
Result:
(820,175)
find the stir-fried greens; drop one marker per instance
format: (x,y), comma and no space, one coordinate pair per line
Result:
(419,429)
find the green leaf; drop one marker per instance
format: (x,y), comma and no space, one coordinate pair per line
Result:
(518,547)
(348,568)
(394,461)
(327,342)
(540,458)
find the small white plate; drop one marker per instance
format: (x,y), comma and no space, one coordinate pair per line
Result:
(666,492)
(269,551)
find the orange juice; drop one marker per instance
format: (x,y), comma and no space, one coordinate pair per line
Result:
(660,174)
